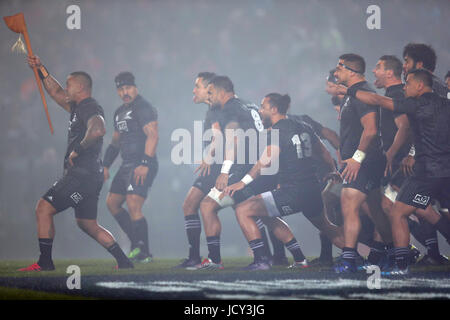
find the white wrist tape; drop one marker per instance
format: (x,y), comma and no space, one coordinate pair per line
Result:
(226,166)
(359,156)
(412,151)
(247,179)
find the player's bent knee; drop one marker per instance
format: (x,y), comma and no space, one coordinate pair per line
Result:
(44,208)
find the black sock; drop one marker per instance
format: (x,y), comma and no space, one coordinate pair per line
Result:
(295,250)
(390,251)
(278,246)
(326,248)
(257,246)
(433,246)
(45,247)
(193,227)
(349,254)
(401,257)
(140,230)
(265,240)
(119,255)
(124,220)
(443,226)
(214,248)
(377,252)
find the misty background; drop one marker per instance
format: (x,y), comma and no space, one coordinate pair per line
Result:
(263,46)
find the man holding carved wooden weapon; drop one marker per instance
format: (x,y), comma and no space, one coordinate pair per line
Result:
(83,170)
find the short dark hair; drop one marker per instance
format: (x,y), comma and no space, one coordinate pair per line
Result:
(84,77)
(281,102)
(393,63)
(223,82)
(355,61)
(447,75)
(423,76)
(206,76)
(420,52)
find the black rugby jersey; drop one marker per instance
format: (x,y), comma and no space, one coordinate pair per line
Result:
(316,126)
(80,114)
(322,168)
(429,117)
(243,112)
(296,162)
(129,121)
(352,110)
(247,116)
(439,87)
(388,128)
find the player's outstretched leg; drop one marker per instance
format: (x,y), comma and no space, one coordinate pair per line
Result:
(106,240)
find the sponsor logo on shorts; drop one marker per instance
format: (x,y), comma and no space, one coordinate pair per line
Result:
(130,188)
(287,210)
(50,198)
(422,200)
(76,197)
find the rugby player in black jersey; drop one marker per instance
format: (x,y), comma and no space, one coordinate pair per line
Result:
(83,171)
(364,163)
(235,114)
(208,173)
(394,130)
(429,117)
(135,137)
(420,56)
(299,188)
(324,170)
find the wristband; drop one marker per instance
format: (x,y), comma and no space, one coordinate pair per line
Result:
(247,179)
(147,160)
(43,72)
(412,151)
(226,166)
(352,92)
(359,156)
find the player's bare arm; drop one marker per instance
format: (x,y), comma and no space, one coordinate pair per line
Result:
(400,138)
(325,154)
(204,168)
(230,153)
(270,154)
(115,144)
(51,85)
(95,130)
(369,124)
(331,136)
(151,132)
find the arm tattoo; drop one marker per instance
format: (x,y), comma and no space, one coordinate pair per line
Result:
(96,130)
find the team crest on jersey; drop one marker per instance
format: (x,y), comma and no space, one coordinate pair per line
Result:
(76,197)
(422,200)
(128,115)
